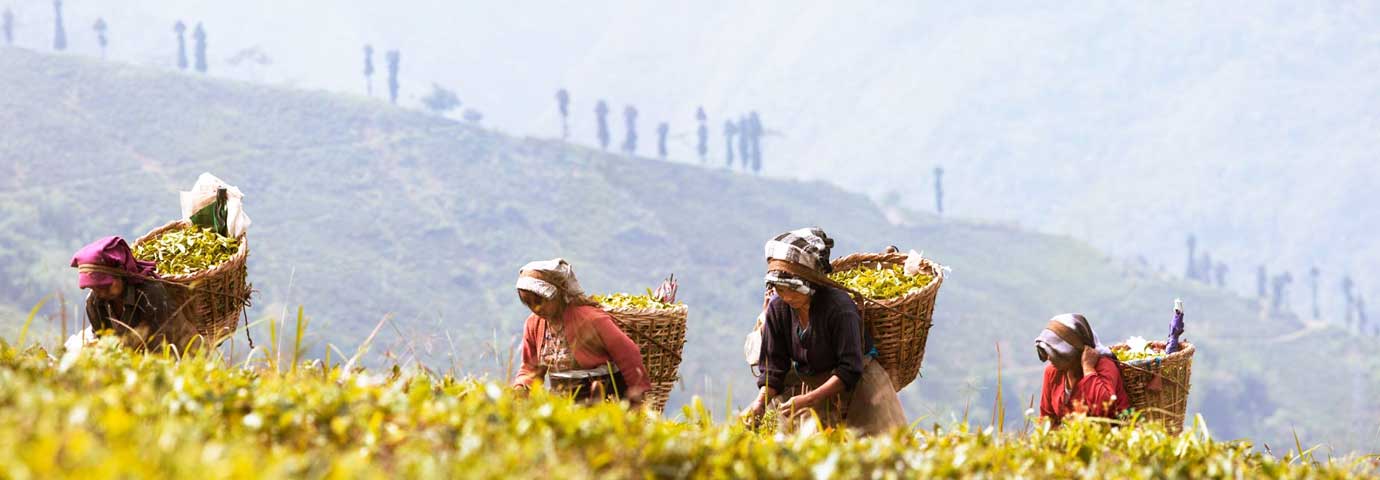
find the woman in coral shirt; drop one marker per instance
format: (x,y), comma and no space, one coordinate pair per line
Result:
(1082,376)
(569,338)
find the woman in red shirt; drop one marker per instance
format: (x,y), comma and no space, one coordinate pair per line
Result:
(1082,376)
(574,341)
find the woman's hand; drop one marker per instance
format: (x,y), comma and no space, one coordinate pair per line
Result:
(1090,357)
(799,403)
(636,396)
(750,415)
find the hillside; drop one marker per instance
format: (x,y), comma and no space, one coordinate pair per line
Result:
(362,211)
(1237,121)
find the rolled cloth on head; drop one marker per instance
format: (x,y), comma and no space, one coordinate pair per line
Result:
(101,261)
(1065,336)
(779,278)
(799,258)
(549,277)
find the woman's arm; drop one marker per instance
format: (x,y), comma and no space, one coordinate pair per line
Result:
(1047,394)
(531,368)
(776,345)
(848,341)
(1097,390)
(832,386)
(625,355)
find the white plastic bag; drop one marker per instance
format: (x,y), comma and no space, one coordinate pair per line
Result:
(752,345)
(913,259)
(203,193)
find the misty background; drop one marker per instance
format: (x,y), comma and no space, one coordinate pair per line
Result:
(1251,127)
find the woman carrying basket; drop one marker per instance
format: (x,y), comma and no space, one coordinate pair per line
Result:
(1082,375)
(571,339)
(817,359)
(127,298)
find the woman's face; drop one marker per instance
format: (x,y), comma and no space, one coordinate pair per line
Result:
(793,298)
(541,306)
(110,292)
(1062,363)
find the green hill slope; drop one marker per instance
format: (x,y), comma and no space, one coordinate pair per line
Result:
(363,210)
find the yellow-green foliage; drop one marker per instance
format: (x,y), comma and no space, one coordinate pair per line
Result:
(107,413)
(628,300)
(187,251)
(881,283)
(1127,355)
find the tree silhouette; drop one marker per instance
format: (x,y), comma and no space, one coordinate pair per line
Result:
(369,70)
(440,100)
(563,104)
(1361,321)
(939,190)
(630,120)
(729,131)
(745,142)
(1221,274)
(59,33)
(181,30)
(702,134)
(8,26)
(1348,299)
(199,36)
(1281,285)
(473,116)
(99,27)
(755,122)
(661,130)
(393,57)
(601,118)
(1191,272)
(1313,285)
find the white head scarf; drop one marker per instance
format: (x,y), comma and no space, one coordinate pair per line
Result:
(559,277)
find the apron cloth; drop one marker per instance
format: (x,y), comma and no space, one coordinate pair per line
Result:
(871,408)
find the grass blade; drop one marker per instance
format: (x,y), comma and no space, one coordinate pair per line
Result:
(24,331)
(297,343)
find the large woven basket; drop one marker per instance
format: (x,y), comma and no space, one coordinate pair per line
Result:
(213,299)
(1167,404)
(899,326)
(660,335)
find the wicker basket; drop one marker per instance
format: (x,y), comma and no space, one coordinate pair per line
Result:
(899,326)
(660,335)
(214,298)
(1167,404)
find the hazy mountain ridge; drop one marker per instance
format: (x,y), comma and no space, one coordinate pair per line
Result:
(362,210)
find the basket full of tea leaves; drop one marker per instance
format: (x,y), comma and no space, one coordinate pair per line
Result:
(204,274)
(899,307)
(656,322)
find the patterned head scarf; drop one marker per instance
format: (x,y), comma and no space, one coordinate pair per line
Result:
(101,261)
(1065,336)
(807,252)
(548,278)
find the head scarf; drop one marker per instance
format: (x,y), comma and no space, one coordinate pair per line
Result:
(549,278)
(101,261)
(807,247)
(798,258)
(1065,336)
